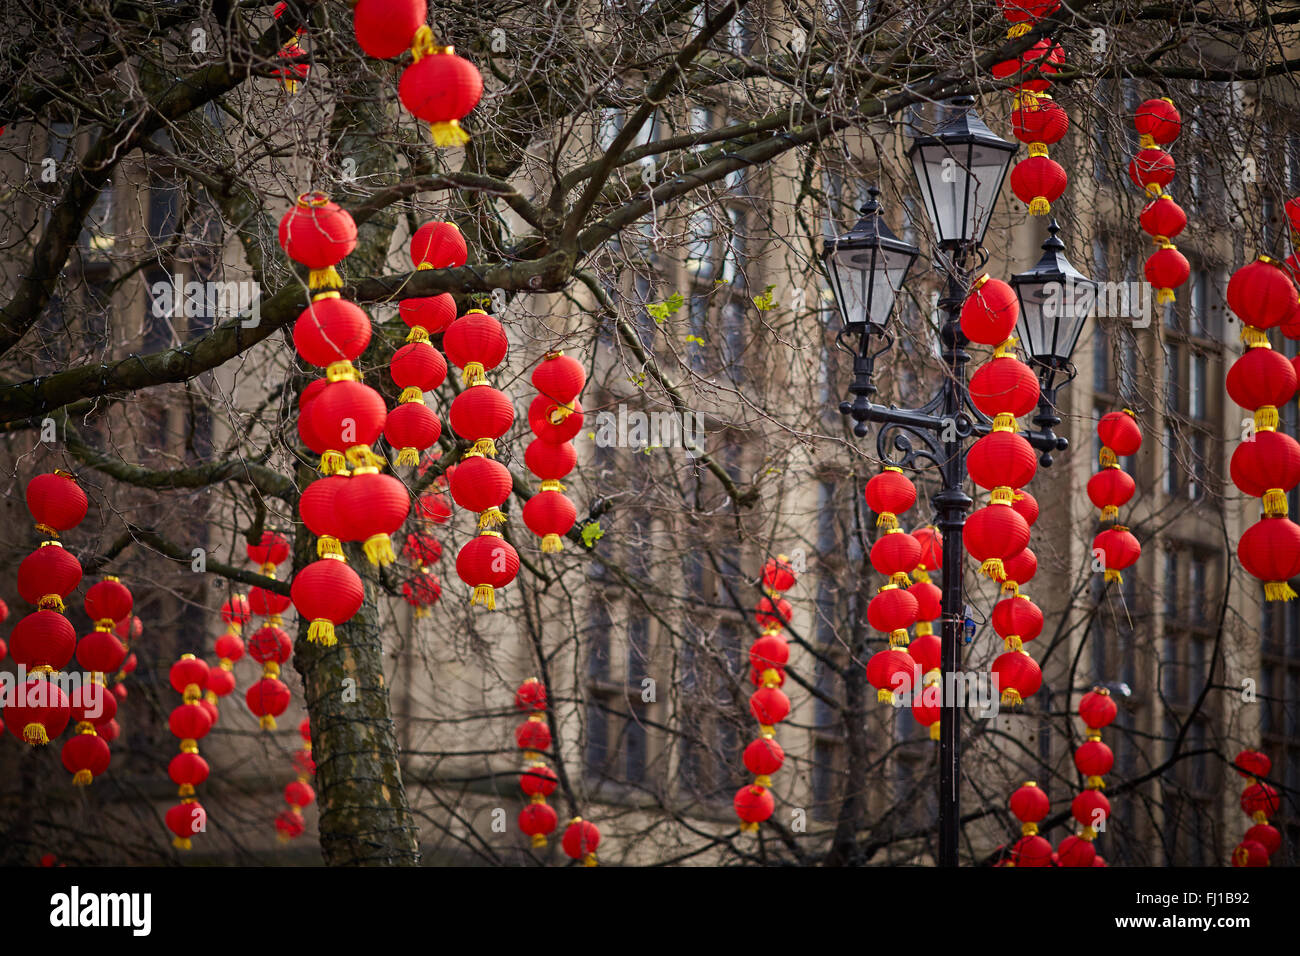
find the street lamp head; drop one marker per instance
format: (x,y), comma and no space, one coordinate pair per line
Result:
(1055,301)
(866,267)
(961,168)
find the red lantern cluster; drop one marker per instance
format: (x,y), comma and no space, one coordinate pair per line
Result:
(1115,549)
(1266,464)
(1259,801)
(895,607)
(1030,804)
(94,707)
(190,721)
(769,705)
(550,514)
(1152,169)
(290,75)
(538,781)
(1093,759)
(37,710)
(298,793)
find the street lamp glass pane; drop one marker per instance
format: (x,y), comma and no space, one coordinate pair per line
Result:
(1052,315)
(866,282)
(960,185)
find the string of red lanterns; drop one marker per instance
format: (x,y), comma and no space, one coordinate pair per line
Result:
(1115,547)
(86,754)
(894,607)
(43,641)
(1267,462)
(1090,808)
(1259,801)
(549,514)
(190,721)
(769,705)
(1030,804)
(538,781)
(298,793)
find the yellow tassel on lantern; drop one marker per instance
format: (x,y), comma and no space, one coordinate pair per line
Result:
(1107,457)
(492,518)
(327,546)
(770,677)
(181,843)
(270,669)
(50,602)
(448,134)
(1004,422)
(321,631)
(887,519)
(474,373)
(1259,816)
(763,780)
(934,730)
(1110,513)
(1146,141)
(884,696)
(993,568)
(749,828)
(1087,834)
(1094,783)
(1255,338)
(552,544)
(900,578)
(327,278)
(1003,348)
(1018,29)
(332,462)
(1113,575)
(551,484)
(1010,587)
(1028,828)
(1278,591)
(418,333)
(1275,503)
(1012,642)
(1002,495)
(589,860)
(35,735)
(485,446)
(408,456)
(267,722)
(924,629)
(1038,149)
(185,790)
(411,394)
(343,371)
(1266,418)
(898,638)
(484,594)
(1040,206)
(539,840)
(82,778)
(1011,697)
(1164,295)
(379,549)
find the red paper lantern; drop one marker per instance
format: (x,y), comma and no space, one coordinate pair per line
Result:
(1259,801)
(410,428)
(1110,488)
(1018,569)
(370,507)
(439,245)
(348,417)
(421,548)
(1163,219)
(929,600)
(1118,550)
(270,643)
(299,794)
(267,699)
(1004,385)
(533,735)
(990,312)
(1270,550)
(1091,808)
(1022,14)
(1158,121)
(530,695)
(764,757)
(550,515)
(773,614)
(895,554)
(581,837)
(778,575)
(1151,170)
(554,422)
(476,343)
(1261,381)
(107,602)
(1253,763)
(422,591)
(327,593)
(1018,676)
(317,505)
(538,779)
(319,234)
(100,652)
(1039,121)
(190,721)
(1094,760)
(184,820)
(440,88)
(220,682)
(85,756)
(266,603)
(1097,708)
(1038,182)
(129,630)
(889,494)
(1120,433)
(433,507)
(43,638)
(289,825)
(428,315)
(550,461)
(1017,619)
(931,547)
(236,611)
(1268,837)
(188,770)
(331,330)
(1250,853)
(1261,294)
(1002,459)
(1032,851)
(1267,466)
(92,703)
(892,671)
(928,715)
(536,820)
(754,804)
(416,368)
(893,609)
(992,534)
(769,652)
(48,575)
(769,705)
(1076,851)
(482,414)
(385,28)
(1166,270)
(272,549)
(56,502)
(1029,803)
(37,711)
(1045,56)
(481,485)
(487,563)
(559,377)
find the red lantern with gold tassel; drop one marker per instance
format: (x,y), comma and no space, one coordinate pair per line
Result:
(1038,181)
(889,494)
(1030,805)
(327,593)
(487,563)
(990,311)
(426,316)
(385,28)
(482,485)
(482,414)
(319,234)
(1117,549)
(440,88)
(581,837)
(56,502)
(1270,550)
(476,343)
(550,515)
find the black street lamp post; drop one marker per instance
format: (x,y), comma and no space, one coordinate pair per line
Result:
(960,169)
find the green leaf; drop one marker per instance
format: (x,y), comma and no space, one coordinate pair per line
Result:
(659,311)
(765,302)
(696,339)
(591,533)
